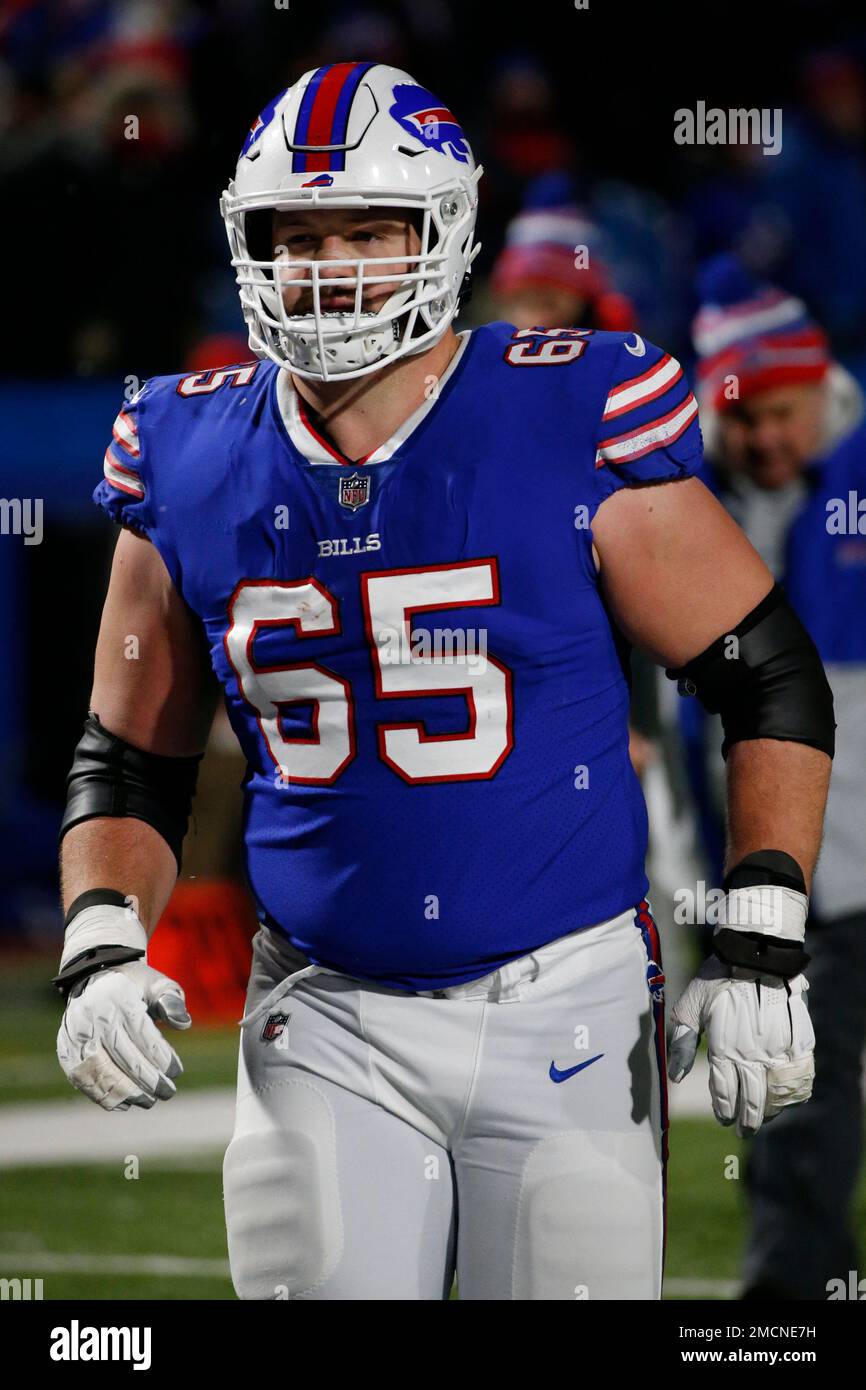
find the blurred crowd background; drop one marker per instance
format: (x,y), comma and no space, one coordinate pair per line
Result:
(115,253)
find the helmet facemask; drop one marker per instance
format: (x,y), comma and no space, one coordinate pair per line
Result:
(325,345)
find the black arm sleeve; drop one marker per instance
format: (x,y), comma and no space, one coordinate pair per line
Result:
(768,683)
(110,777)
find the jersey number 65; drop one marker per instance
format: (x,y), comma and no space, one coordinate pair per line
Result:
(389,598)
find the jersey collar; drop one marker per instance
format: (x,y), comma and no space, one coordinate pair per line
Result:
(316,450)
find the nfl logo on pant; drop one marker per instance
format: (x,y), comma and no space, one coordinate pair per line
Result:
(354,491)
(274,1026)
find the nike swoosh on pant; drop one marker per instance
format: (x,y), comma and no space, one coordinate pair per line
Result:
(557,1075)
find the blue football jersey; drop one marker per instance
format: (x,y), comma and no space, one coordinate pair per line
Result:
(417,661)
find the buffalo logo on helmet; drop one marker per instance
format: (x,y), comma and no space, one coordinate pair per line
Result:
(262,121)
(274,1026)
(422,114)
(354,491)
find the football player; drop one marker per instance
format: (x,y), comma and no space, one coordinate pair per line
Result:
(415,560)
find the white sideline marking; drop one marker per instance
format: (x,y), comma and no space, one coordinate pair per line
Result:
(48,1262)
(702,1288)
(66,1132)
(691,1096)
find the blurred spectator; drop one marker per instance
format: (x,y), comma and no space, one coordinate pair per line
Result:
(552,270)
(613,257)
(799,216)
(819,182)
(96,161)
(521,138)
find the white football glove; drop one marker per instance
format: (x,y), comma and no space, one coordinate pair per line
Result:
(760,1039)
(108,1045)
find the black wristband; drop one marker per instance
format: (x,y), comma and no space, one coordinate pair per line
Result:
(751,950)
(771,955)
(92,898)
(766,867)
(90,962)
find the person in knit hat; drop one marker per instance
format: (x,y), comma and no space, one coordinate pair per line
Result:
(762,366)
(552,270)
(785,451)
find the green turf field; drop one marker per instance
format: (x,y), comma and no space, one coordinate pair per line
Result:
(89,1232)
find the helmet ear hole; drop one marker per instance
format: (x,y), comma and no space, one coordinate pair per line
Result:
(258,230)
(433,237)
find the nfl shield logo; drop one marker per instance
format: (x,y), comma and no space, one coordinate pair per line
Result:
(274,1026)
(355,491)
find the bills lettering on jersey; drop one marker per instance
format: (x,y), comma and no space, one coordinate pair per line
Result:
(341,545)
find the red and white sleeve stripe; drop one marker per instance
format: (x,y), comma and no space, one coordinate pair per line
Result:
(626,448)
(120,476)
(122,457)
(640,390)
(125,432)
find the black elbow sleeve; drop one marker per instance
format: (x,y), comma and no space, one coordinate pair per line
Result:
(110,777)
(765,678)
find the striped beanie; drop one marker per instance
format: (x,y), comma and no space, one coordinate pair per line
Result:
(761,335)
(540,249)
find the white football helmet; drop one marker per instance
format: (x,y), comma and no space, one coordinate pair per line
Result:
(352,135)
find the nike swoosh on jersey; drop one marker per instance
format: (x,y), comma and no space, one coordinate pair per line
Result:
(639,350)
(557,1075)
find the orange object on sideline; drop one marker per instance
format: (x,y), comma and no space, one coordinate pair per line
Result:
(202,940)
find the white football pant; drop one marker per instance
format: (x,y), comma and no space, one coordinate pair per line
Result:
(511,1130)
